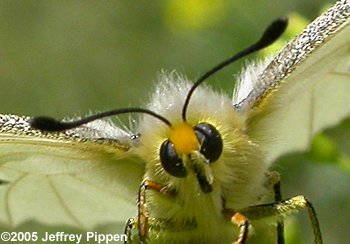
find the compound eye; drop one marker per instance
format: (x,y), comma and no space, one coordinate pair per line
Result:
(210,140)
(171,161)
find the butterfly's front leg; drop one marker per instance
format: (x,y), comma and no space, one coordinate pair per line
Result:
(142,207)
(141,221)
(130,224)
(239,220)
(273,180)
(279,207)
(283,207)
(280,223)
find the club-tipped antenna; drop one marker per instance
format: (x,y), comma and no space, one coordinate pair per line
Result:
(52,125)
(271,34)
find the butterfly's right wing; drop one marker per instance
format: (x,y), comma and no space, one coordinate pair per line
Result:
(66,179)
(304,89)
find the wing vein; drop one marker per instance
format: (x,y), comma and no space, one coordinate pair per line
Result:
(63,204)
(7,198)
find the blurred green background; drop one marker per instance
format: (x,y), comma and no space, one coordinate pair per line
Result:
(62,58)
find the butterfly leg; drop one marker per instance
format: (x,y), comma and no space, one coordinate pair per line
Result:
(283,207)
(239,220)
(273,180)
(242,222)
(280,223)
(130,224)
(142,207)
(143,215)
(141,221)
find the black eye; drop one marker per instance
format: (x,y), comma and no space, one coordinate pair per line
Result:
(210,140)
(171,161)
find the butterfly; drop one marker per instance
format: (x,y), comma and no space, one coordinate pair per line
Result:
(89,176)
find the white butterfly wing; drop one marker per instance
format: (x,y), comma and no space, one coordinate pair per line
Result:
(305,88)
(65,179)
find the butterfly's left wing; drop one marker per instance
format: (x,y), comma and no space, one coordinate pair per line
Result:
(86,178)
(304,89)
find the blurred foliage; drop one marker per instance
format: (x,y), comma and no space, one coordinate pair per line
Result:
(59,58)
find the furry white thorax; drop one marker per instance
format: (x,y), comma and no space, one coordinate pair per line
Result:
(238,174)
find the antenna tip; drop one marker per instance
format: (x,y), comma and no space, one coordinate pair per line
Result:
(274,31)
(46,124)
(280,24)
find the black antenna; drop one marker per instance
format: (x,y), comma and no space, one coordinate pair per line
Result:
(271,34)
(51,125)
